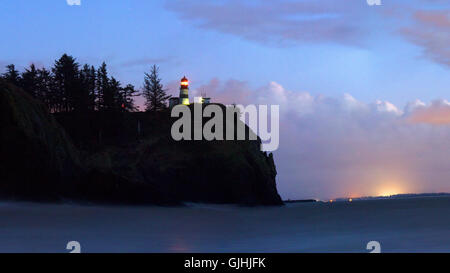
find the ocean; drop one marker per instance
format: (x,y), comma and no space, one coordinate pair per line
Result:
(398,225)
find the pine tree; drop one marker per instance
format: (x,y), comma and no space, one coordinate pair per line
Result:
(114,96)
(67,81)
(12,75)
(66,88)
(102,86)
(46,91)
(30,80)
(153,91)
(87,90)
(127,98)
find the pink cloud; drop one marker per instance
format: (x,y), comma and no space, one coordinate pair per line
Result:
(425,23)
(437,113)
(339,147)
(430,30)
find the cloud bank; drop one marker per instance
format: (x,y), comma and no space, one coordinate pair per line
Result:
(424,23)
(342,147)
(277,23)
(437,113)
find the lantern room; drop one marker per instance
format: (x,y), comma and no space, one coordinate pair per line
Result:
(184,82)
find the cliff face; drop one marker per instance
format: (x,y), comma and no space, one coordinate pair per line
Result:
(213,172)
(123,158)
(37,159)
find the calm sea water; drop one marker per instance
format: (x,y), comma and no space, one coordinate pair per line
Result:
(404,225)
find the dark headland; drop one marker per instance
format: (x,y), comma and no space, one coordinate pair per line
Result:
(122,158)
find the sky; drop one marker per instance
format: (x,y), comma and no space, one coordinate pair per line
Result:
(363,90)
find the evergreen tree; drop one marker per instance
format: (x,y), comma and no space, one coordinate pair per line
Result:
(46,91)
(67,88)
(114,95)
(127,98)
(154,93)
(103,92)
(87,90)
(12,75)
(67,81)
(30,80)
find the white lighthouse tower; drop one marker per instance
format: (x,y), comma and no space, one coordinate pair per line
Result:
(184,91)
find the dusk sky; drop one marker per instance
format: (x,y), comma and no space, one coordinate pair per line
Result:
(363,90)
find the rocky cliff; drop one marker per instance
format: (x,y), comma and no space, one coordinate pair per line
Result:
(123,158)
(37,158)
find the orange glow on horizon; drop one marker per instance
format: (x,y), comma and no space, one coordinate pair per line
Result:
(387,193)
(390,190)
(393,183)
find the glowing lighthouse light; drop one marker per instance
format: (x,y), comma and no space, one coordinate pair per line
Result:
(184,91)
(184,82)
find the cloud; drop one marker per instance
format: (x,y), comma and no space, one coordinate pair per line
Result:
(430,30)
(73,2)
(339,147)
(425,23)
(278,23)
(437,113)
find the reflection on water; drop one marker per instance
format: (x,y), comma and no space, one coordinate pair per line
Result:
(178,245)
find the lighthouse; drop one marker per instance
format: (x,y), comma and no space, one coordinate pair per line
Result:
(183,99)
(184,91)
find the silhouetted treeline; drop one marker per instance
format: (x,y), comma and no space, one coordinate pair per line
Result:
(69,87)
